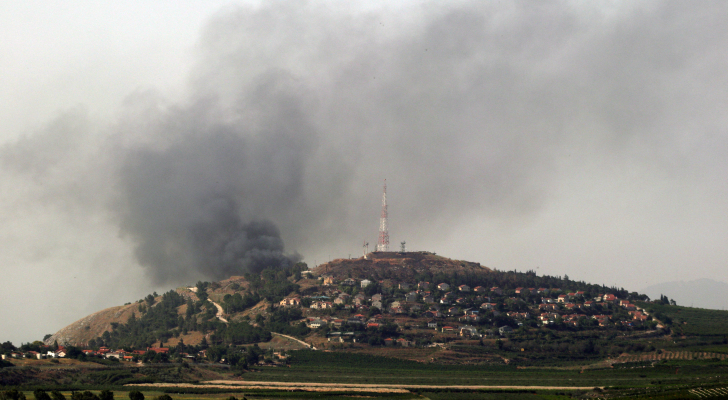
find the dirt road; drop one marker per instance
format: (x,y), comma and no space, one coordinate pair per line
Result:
(325,387)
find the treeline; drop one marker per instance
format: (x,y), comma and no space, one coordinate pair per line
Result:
(528,279)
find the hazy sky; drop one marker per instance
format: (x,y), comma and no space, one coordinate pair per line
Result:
(145,146)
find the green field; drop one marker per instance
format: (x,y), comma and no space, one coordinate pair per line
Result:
(692,321)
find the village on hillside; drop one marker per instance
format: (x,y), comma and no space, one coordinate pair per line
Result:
(425,313)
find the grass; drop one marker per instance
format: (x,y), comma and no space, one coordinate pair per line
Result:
(693,321)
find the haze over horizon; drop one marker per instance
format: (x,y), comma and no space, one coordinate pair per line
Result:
(147,146)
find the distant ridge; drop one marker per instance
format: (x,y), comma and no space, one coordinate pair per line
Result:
(700,293)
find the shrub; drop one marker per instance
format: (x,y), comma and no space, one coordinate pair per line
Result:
(12,394)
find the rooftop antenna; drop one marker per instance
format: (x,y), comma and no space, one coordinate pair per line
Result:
(402,248)
(366,249)
(383,244)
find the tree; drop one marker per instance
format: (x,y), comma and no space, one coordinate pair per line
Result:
(106,395)
(41,394)
(136,395)
(85,395)
(12,394)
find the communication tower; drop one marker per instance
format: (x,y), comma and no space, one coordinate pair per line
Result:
(383,244)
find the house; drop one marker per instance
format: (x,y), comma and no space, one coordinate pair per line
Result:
(496,290)
(348,282)
(340,300)
(610,298)
(404,286)
(470,318)
(448,328)
(504,330)
(389,342)
(396,303)
(423,285)
(543,291)
(428,299)
(377,304)
(290,302)
(403,342)
(518,315)
(519,290)
(377,297)
(563,298)
(322,305)
(316,323)
(432,324)
(365,282)
(162,350)
(443,286)
(328,280)
(480,289)
(469,331)
(464,288)
(410,297)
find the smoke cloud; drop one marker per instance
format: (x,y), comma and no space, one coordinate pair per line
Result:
(588,138)
(181,205)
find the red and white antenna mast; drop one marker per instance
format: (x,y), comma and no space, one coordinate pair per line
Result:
(383,244)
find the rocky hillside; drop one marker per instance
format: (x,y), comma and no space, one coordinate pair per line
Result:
(92,326)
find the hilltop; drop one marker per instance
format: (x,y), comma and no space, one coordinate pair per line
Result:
(397,266)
